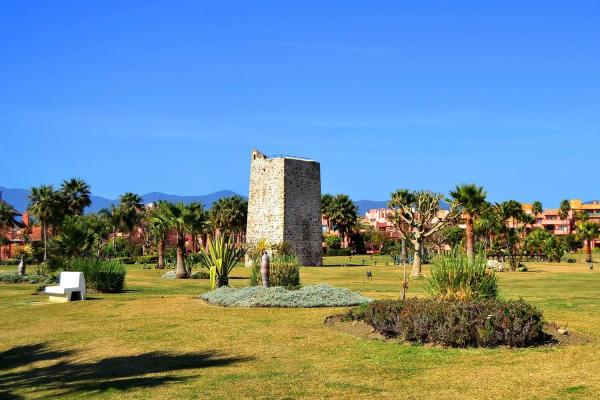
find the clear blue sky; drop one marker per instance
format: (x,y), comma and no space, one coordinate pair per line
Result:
(172,96)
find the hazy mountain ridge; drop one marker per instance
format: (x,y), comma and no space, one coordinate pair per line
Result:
(18,198)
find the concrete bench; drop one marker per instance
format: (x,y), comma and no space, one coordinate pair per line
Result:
(71,287)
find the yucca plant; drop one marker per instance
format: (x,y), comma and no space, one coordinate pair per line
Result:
(219,258)
(454,277)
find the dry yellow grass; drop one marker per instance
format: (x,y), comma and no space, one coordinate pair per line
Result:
(107,347)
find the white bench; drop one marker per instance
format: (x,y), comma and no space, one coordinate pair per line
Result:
(71,287)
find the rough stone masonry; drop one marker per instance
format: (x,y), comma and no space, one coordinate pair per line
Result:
(285,204)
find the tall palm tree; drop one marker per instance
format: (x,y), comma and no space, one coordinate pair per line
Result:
(44,205)
(588,231)
(8,216)
(130,208)
(113,218)
(229,214)
(472,199)
(343,214)
(159,229)
(537,208)
(198,223)
(76,195)
(565,207)
(8,220)
(177,217)
(326,201)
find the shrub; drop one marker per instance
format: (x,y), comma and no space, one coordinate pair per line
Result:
(169,275)
(220,258)
(285,271)
(308,296)
(123,260)
(100,275)
(149,259)
(13,277)
(487,323)
(571,260)
(198,275)
(522,268)
(453,277)
(333,242)
(339,252)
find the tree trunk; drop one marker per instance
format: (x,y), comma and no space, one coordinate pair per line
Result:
(588,250)
(417,259)
(45,234)
(469,233)
(161,254)
(403,253)
(180,272)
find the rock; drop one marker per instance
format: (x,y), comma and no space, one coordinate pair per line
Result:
(562,331)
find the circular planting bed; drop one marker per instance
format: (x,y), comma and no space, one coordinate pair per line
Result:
(305,297)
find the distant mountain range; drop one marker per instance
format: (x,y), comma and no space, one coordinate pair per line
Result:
(18,198)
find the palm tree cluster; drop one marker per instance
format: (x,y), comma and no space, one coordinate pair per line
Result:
(340,213)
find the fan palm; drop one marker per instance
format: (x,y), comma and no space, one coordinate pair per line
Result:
(44,204)
(343,214)
(220,257)
(178,218)
(159,228)
(113,218)
(76,195)
(588,231)
(130,208)
(471,198)
(229,214)
(537,208)
(198,222)
(326,201)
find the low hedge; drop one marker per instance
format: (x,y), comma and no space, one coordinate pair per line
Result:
(146,259)
(486,323)
(339,252)
(100,275)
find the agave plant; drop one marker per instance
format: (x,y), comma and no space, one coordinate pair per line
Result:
(219,258)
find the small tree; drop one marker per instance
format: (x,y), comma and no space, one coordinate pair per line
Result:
(588,231)
(417,215)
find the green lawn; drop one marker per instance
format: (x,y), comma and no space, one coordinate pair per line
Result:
(158,340)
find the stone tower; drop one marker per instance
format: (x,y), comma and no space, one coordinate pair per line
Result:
(285,204)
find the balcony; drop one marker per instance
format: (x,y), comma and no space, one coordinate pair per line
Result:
(556,222)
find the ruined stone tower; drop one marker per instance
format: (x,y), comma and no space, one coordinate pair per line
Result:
(285,204)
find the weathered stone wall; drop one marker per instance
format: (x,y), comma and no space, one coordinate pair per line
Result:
(284,204)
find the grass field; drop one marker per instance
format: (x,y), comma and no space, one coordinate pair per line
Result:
(158,340)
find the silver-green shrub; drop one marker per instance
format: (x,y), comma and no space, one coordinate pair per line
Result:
(306,297)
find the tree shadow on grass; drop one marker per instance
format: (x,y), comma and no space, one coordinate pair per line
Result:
(122,373)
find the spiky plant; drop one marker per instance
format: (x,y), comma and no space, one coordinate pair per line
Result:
(219,258)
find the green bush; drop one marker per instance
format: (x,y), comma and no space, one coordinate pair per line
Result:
(333,242)
(123,260)
(100,275)
(200,275)
(150,259)
(453,277)
(285,272)
(339,252)
(486,323)
(308,296)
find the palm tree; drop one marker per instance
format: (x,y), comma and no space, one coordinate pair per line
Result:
(8,216)
(130,208)
(471,198)
(565,207)
(537,208)
(159,228)
(326,201)
(343,214)
(588,231)
(229,214)
(177,217)
(113,218)
(44,204)
(198,223)
(76,195)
